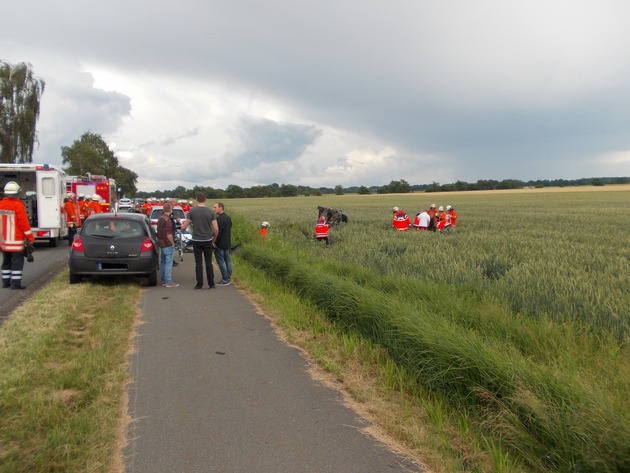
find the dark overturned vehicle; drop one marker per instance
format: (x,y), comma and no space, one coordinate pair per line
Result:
(114,245)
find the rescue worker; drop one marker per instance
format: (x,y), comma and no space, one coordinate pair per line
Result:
(95,205)
(401,220)
(73,220)
(321,230)
(441,219)
(452,215)
(16,233)
(433,213)
(264,227)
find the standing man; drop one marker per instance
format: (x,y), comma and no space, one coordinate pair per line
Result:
(205,228)
(16,232)
(223,244)
(167,245)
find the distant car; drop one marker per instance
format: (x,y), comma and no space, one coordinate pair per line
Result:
(115,245)
(125,201)
(156,213)
(124,207)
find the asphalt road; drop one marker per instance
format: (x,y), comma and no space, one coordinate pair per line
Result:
(48,263)
(215,390)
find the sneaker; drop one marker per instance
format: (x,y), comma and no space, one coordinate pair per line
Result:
(172,284)
(198,287)
(163,284)
(223,283)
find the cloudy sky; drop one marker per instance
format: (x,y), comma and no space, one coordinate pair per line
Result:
(254,92)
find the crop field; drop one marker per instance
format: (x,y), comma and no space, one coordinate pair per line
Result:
(520,315)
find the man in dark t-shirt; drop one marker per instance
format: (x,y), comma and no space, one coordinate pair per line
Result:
(205,229)
(223,243)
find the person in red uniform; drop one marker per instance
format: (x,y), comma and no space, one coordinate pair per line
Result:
(452,215)
(73,220)
(401,220)
(15,233)
(442,219)
(321,230)
(264,229)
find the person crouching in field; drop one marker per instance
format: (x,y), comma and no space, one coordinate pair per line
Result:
(401,220)
(321,230)
(422,221)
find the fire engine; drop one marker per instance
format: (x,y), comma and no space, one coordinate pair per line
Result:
(42,190)
(92,184)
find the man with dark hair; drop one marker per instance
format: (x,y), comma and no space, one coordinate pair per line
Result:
(166,244)
(223,243)
(205,229)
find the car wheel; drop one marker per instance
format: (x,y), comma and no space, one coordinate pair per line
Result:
(152,279)
(75,278)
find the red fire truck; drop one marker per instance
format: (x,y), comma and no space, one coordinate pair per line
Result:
(92,184)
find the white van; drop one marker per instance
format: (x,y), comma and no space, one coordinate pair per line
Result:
(42,190)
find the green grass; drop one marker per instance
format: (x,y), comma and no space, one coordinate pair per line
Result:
(62,378)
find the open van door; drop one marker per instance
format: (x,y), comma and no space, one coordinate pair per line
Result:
(50,214)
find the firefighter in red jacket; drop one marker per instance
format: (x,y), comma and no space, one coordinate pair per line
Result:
(321,230)
(400,221)
(15,234)
(73,220)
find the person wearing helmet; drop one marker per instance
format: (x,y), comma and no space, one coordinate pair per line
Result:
(73,219)
(264,227)
(95,205)
(321,230)
(442,222)
(16,233)
(401,220)
(451,214)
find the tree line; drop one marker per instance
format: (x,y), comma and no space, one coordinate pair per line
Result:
(394,187)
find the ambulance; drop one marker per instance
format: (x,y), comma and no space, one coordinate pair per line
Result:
(42,190)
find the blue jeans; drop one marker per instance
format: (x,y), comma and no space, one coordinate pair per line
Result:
(166,263)
(224,260)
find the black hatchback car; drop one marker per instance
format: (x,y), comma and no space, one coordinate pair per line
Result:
(111,244)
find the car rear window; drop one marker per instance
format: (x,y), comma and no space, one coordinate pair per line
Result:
(114,228)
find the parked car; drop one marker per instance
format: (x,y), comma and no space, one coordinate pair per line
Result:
(124,207)
(156,213)
(114,245)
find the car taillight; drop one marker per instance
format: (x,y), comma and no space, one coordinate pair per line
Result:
(147,245)
(77,244)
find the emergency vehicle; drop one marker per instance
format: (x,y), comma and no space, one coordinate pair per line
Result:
(92,184)
(42,190)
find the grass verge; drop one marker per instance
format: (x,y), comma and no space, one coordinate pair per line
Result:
(63,373)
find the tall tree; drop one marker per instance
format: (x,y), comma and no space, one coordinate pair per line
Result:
(20,95)
(90,154)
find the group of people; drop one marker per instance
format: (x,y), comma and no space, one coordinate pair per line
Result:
(434,218)
(211,232)
(151,202)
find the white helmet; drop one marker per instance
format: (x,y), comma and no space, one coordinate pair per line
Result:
(11,188)
(441,209)
(395,209)
(265,224)
(448,207)
(432,206)
(96,197)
